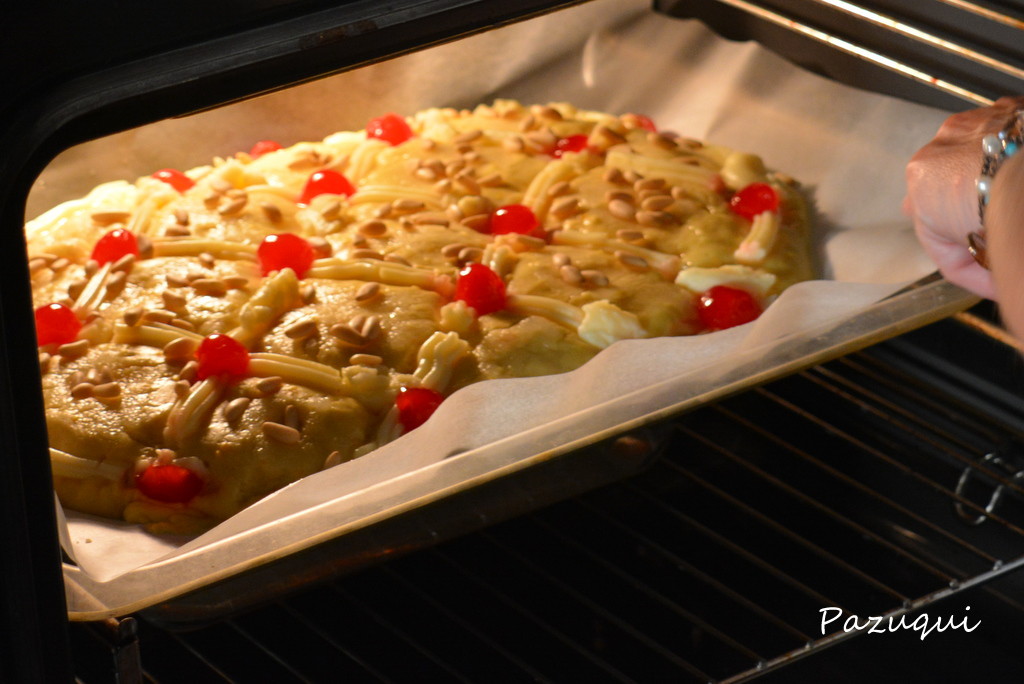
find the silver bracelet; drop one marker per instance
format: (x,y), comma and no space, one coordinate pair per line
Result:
(996,148)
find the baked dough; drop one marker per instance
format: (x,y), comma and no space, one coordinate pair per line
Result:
(402,269)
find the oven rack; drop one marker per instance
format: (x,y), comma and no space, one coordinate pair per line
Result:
(839,486)
(939,52)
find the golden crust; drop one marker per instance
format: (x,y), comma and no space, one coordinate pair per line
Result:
(632,228)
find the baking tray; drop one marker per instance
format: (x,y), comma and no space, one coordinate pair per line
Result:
(367,518)
(471,471)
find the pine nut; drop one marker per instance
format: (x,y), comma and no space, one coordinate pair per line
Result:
(283,434)
(630,235)
(300,330)
(188,371)
(373,228)
(570,274)
(632,261)
(235,408)
(468,136)
(649,184)
(108,218)
(657,203)
(73,350)
(477,222)
(177,230)
(158,316)
(116,283)
(565,207)
(173,301)
(614,176)
(212,287)
(270,385)
(82,390)
(133,316)
(367,292)
(180,348)
(271,212)
(109,390)
(236,282)
(407,205)
(76,287)
(182,388)
(348,335)
(595,278)
(559,189)
(292,418)
(655,219)
(621,210)
(331,211)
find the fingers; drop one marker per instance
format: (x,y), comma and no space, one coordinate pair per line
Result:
(958,267)
(942,198)
(970,125)
(1009,103)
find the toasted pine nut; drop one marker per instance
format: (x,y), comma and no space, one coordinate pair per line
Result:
(283,434)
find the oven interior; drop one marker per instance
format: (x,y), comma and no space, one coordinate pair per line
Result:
(703,548)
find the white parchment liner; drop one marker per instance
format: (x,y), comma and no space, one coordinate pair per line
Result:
(849,147)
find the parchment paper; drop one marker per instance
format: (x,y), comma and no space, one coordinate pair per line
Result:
(849,147)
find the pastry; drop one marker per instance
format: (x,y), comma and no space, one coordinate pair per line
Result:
(209,336)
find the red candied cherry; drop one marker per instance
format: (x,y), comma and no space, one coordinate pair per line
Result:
(754,199)
(175,178)
(573,143)
(221,356)
(325,182)
(415,405)
(263,147)
(645,122)
(56,324)
(724,307)
(169,483)
(285,250)
(514,218)
(390,128)
(481,288)
(115,244)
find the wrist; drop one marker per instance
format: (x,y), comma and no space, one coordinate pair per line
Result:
(1005,232)
(996,149)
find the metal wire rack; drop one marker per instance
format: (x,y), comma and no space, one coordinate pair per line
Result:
(860,484)
(942,52)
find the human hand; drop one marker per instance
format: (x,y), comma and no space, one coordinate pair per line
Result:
(942,198)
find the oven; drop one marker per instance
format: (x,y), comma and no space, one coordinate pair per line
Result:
(852,515)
